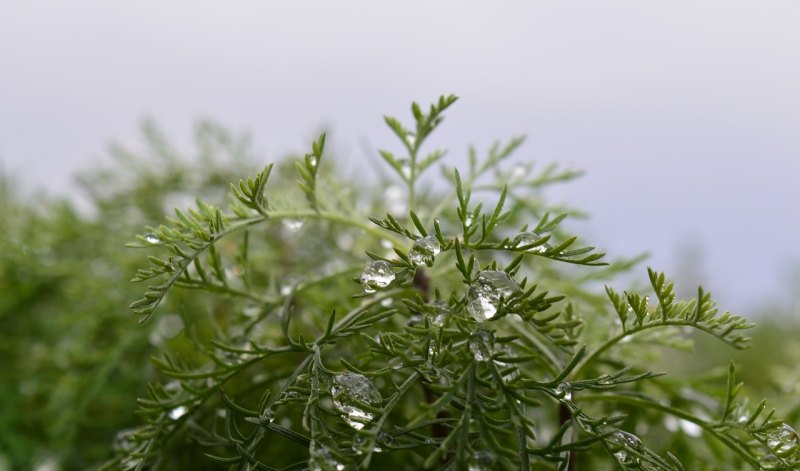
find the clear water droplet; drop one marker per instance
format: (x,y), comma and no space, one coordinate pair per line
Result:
(605,379)
(124,440)
(782,440)
(377,275)
(387,302)
(424,251)
(349,391)
(563,391)
(481,461)
(483,296)
(321,459)
(527,240)
(152,239)
(178,412)
(770,461)
(442,311)
(411,138)
(627,442)
(293,225)
(469,218)
(481,344)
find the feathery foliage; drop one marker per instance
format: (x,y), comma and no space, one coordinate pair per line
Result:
(455,331)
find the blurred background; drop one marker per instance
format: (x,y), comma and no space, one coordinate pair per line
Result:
(684,116)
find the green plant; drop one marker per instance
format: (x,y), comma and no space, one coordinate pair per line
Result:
(463,329)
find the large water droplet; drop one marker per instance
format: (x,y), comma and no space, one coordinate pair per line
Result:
(782,440)
(152,239)
(321,459)
(293,225)
(376,275)
(481,461)
(527,240)
(178,412)
(481,345)
(483,297)
(349,392)
(424,251)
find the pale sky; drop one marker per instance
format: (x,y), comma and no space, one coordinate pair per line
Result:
(684,114)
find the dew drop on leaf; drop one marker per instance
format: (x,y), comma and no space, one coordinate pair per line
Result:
(376,275)
(481,345)
(483,296)
(527,240)
(152,239)
(424,251)
(627,441)
(349,392)
(782,439)
(563,391)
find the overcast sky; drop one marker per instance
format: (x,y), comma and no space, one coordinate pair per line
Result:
(685,114)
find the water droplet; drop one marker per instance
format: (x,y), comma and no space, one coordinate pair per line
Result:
(293,225)
(394,197)
(152,239)
(626,441)
(387,302)
(321,459)
(469,218)
(376,275)
(563,391)
(424,251)
(169,326)
(519,171)
(411,138)
(349,391)
(178,412)
(528,239)
(481,344)
(605,379)
(481,461)
(770,461)
(124,440)
(442,311)
(405,168)
(782,440)
(483,297)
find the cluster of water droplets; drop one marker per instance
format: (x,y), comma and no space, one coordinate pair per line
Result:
(424,251)
(349,391)
(527,240)
(377,275)
(485,293)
